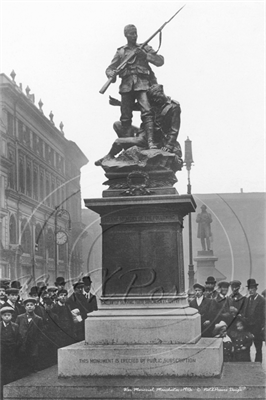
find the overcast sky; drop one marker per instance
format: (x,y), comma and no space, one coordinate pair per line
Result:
(214,66)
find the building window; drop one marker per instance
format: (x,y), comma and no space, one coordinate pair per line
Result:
(11,170)
(58,191)
(53,193)
(21,174)
(39,240)
(41,185)
(25,237)
(27,136)
(47,185)
(12,230)
(10,124)
(35,182)
(28,178)
(20,130)
(46,147)
(62,252)
(34,142)
(50,243)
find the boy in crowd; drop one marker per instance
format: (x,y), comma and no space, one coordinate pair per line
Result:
(206,309)
(34,293)
(10,341)
(30,329)
(220,331)
(65,333)
(242,341)
(12,295)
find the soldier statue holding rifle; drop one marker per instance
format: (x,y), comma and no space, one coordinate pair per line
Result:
(137,77)
(132,64)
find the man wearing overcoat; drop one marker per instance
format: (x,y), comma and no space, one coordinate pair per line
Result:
(254,316)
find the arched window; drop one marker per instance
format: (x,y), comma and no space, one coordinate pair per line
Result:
(39,240)
(25,237)
(50,243)
(12,230)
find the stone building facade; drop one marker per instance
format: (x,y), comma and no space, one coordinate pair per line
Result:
(39,190)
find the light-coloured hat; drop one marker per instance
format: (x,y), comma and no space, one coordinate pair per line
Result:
(6,309)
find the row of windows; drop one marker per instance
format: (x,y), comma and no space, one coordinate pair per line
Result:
(42,240)
(35,143)
(35,181)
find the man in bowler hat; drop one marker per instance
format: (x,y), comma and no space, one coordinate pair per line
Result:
(254,316)
(90,297)
(210,292)
(222,305)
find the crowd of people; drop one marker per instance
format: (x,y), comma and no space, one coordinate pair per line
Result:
(32,329)
(238,319)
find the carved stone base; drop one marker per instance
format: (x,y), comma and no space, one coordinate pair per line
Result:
(140,183)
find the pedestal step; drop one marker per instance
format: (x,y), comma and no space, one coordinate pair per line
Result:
(127,325)
(142,360)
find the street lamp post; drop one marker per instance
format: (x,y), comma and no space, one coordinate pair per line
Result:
(188,163)
(60,236)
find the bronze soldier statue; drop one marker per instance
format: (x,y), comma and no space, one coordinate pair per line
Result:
(166,119)
(137,77)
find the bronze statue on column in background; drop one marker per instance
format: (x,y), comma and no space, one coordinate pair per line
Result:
(204,220)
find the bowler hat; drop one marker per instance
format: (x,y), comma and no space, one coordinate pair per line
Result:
(86,280)
(210,279)
(199,286)
(6,309)
(251,282)
(16,285)
(77,284)
(235,283)
(34,290)
(29,299)
(12,291)
(223,284)
(60,280)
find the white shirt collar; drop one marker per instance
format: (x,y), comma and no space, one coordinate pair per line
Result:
(199,300)
(10,303)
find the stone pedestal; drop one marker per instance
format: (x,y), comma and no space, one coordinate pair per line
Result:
(144,326)
(206,267)
(142,244)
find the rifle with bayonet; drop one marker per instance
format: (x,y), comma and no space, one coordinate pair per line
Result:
(133,54)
